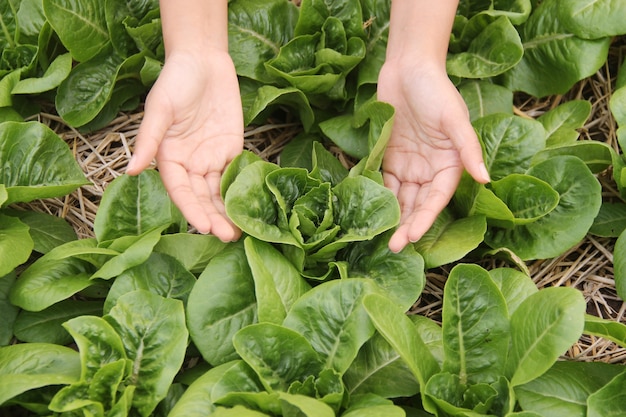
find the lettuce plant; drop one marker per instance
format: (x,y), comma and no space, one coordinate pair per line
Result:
(89,59)
(499,343)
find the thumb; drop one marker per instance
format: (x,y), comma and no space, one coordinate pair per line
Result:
(156,121)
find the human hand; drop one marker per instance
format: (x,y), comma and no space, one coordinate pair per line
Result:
(432,141)
(193,125)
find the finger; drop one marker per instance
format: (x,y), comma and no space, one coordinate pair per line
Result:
(222,227)
(391,182)
(399,239)
(157,120)
(431,200)
(178,183)
(466,142)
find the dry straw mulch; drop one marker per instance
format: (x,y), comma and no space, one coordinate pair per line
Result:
(103,156)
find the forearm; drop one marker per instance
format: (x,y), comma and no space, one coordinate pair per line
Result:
(194,25)
(420,30)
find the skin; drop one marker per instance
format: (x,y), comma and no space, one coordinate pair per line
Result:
(193,123)
(432,140)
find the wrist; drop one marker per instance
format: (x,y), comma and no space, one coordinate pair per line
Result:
(194,26)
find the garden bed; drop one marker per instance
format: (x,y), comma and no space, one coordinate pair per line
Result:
(104,154)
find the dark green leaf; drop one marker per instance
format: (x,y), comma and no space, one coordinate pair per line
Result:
(610,221)
(154,334)
(551,63)
(160,274)
(131,206)
(277,283)
(222,302)
(544,325)
(36,163)
(450,239)
(16,243)
(7,310)
(278,355)
(257,31)
(81,25)
(46,326)
(475,326)
(48,231)
(341,330)
(484,98)
(28,366)
(563,390)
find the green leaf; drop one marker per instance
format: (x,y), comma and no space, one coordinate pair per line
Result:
(117,12)
(160,274)
(53,277)
(364,208)
(257,31)
(31,18)
(326,167)
(619,265)
(193,251)
(338,334)
(81,26)
(198,401)
(154,334)
(46,326)
(475,326)
(510,142)
(134,205)
(134,254)
(24,367)
(277,283)
(278,355)
(450,239)
(514,190)
(593,19)
(47,231)
(298,152)
(88,88)
(314,13)
(610,399)
(596,155)
(378,369)
(36,163)
(399,331)
(222,302)
(515,286)
(564,389)
(237,411)
(305,406)
(58,71)
(90,331)
(268,97)
(400,275)
(544,325)
(250,205)
(608,329)
(494,48)
(566,225)
(7,310)
(551,62)
(610,221)
(16,243)
(484,98)
(562,121)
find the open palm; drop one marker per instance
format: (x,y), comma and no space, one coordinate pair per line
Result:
(432,142)
(193,125)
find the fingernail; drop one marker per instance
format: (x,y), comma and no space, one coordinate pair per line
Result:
(484,173)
